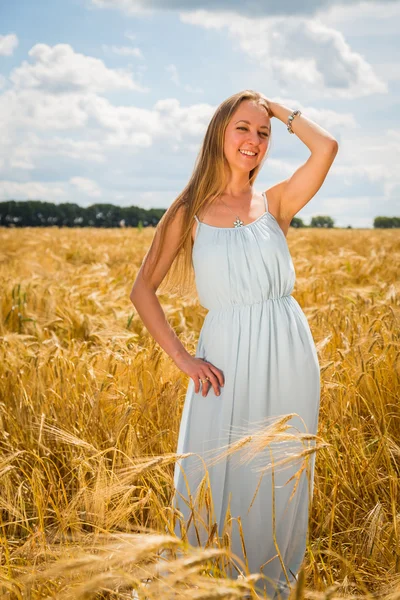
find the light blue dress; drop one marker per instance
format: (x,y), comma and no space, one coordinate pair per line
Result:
(257,334)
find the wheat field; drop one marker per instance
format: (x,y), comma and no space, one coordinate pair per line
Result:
(90,409)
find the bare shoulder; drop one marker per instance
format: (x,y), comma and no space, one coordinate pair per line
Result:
(177,217)
(173,220)
(173,231)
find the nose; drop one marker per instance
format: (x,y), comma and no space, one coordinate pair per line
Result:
(253,138)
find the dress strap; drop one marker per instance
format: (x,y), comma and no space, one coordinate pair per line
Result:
(197,228)
(265,201)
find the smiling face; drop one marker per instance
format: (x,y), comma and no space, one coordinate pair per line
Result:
(248,130)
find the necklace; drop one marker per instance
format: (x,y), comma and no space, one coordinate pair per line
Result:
(238,222)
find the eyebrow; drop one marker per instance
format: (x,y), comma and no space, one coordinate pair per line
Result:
(261,126)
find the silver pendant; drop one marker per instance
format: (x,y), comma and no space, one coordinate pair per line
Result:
(238,222)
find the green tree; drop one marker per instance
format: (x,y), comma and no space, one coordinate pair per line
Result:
(386,222)
(322,221)
(297,222)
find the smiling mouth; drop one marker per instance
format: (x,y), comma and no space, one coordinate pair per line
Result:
(248,155)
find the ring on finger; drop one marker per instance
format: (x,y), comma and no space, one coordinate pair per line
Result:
(204,380)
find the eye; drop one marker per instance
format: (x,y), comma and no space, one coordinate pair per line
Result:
(261,132)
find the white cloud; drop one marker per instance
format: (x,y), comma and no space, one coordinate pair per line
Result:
(34,151)
(298,51)
(8,43)
(87,186)
(31,190)
(363,18)
(34,106)
(179,121)
(34,109)
(122,125)
(326,117)
(130,7)
(79,150)
(336,205)
(371,157)
(123,50)
(37,126)
(349,173)
(59,69)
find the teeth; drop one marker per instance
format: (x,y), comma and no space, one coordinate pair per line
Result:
(247,152)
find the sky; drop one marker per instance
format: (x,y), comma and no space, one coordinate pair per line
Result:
(107,101)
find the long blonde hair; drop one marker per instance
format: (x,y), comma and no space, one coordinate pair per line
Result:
(208,181)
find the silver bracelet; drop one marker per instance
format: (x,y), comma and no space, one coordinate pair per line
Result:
(290,119)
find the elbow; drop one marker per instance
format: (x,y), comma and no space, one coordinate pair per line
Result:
(133,295)
(132,299)
(135,291)
(333,146)
(329,148)
(139,288)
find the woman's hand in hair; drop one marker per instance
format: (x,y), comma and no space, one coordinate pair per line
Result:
(197,369)
(270,106)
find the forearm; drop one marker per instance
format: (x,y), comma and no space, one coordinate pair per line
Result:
(150,311)
(316,138)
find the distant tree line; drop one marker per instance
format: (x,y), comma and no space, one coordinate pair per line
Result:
(325,221)
(387,222)
(35,213)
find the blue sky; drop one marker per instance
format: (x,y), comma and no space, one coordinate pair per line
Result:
(108,100)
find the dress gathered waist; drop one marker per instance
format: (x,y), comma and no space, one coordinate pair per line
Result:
(232,305)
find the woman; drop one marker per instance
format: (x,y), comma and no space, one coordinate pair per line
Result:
(255,357)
